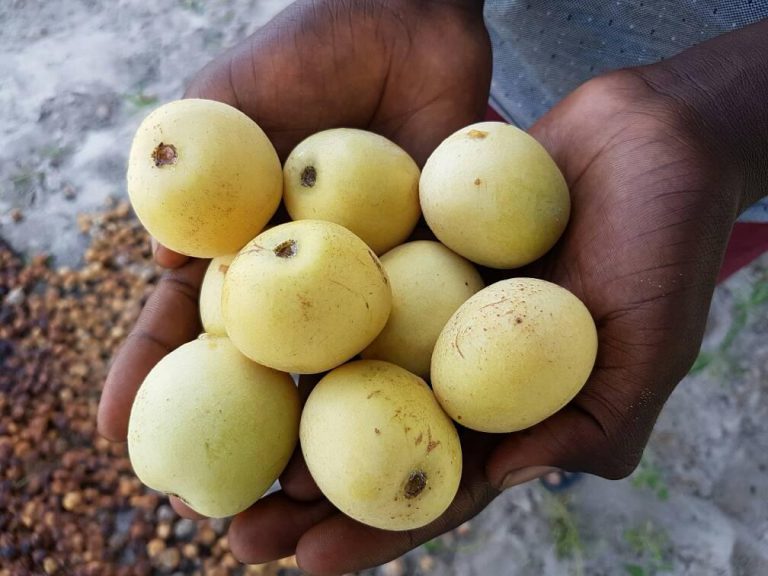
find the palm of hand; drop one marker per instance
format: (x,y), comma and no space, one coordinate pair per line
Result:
(642,250)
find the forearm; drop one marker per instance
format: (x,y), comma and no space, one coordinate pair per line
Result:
(722,86)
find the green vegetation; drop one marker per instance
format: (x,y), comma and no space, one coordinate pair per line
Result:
(141,99)
(743,308)
(565,533)
(648,476)
(651,545)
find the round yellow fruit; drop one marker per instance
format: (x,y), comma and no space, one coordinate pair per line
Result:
(203,178)
(212,427)
(210,295)
(429,282)
(513,355)
(379,446)
(492,193)
(305,297)
(357,179)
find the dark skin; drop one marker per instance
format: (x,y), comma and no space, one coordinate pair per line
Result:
(660,160)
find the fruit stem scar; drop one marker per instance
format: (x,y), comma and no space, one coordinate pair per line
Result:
(286,249)
(308,177)
(164,154)
(416,483)
(477,134)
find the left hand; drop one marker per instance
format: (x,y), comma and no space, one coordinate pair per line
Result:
(653,206)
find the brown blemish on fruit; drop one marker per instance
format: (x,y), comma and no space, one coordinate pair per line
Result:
(519,320)
(477,134)
(164,154)
(378,265)
(308,176)
(415,484)
(478,181)
(223,268)
(377,431)
(419,439)
(431,444)
(372,394)
(286,249)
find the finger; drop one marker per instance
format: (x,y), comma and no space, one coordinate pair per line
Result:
(166,257)
(577,439)
(340,544)
(296,481)
(169,319)
(270,528)
(183,510)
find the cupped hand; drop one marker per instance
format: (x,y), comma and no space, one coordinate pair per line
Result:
(384,66)
(653,206)
(652,210)
(413,72)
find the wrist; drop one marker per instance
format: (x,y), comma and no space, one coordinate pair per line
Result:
(718,89)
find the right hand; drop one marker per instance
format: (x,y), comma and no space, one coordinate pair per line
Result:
(412,71)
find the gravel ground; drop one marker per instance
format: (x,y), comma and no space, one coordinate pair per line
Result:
(78,76)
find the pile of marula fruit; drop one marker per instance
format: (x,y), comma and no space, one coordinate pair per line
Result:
(339,289)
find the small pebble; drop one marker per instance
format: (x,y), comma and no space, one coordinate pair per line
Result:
(169,559)
(184,529)
(71,501)
(154,547)
(165,513)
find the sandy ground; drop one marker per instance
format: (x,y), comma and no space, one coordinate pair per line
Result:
(77,78)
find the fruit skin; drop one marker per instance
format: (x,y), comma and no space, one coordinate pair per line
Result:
(360,180)
(210,295)
(221,189)
(305,297)
(380,447)
(212,427)
(492,193)
(429,282)
(513,355)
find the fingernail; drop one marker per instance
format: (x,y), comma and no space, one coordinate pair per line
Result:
(155,245)
(525,475)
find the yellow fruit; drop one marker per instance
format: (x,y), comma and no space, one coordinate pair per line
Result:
(202,177)
(429,282)
(492,193)
(513,355)
(212,427)
(305,297)
(210,295)
(379,447)
(357,179)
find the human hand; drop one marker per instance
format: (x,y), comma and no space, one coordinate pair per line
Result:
(384,66)
(652,211)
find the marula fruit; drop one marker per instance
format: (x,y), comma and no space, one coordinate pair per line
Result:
(492,193)
(513,355)
(202,177)
(212,427)
(355,178)
(380,447)
(305,297)
(429,282)
(210,295)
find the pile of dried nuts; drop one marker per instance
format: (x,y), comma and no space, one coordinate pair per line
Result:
(69,502)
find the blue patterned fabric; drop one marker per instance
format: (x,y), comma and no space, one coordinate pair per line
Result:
(542,49)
